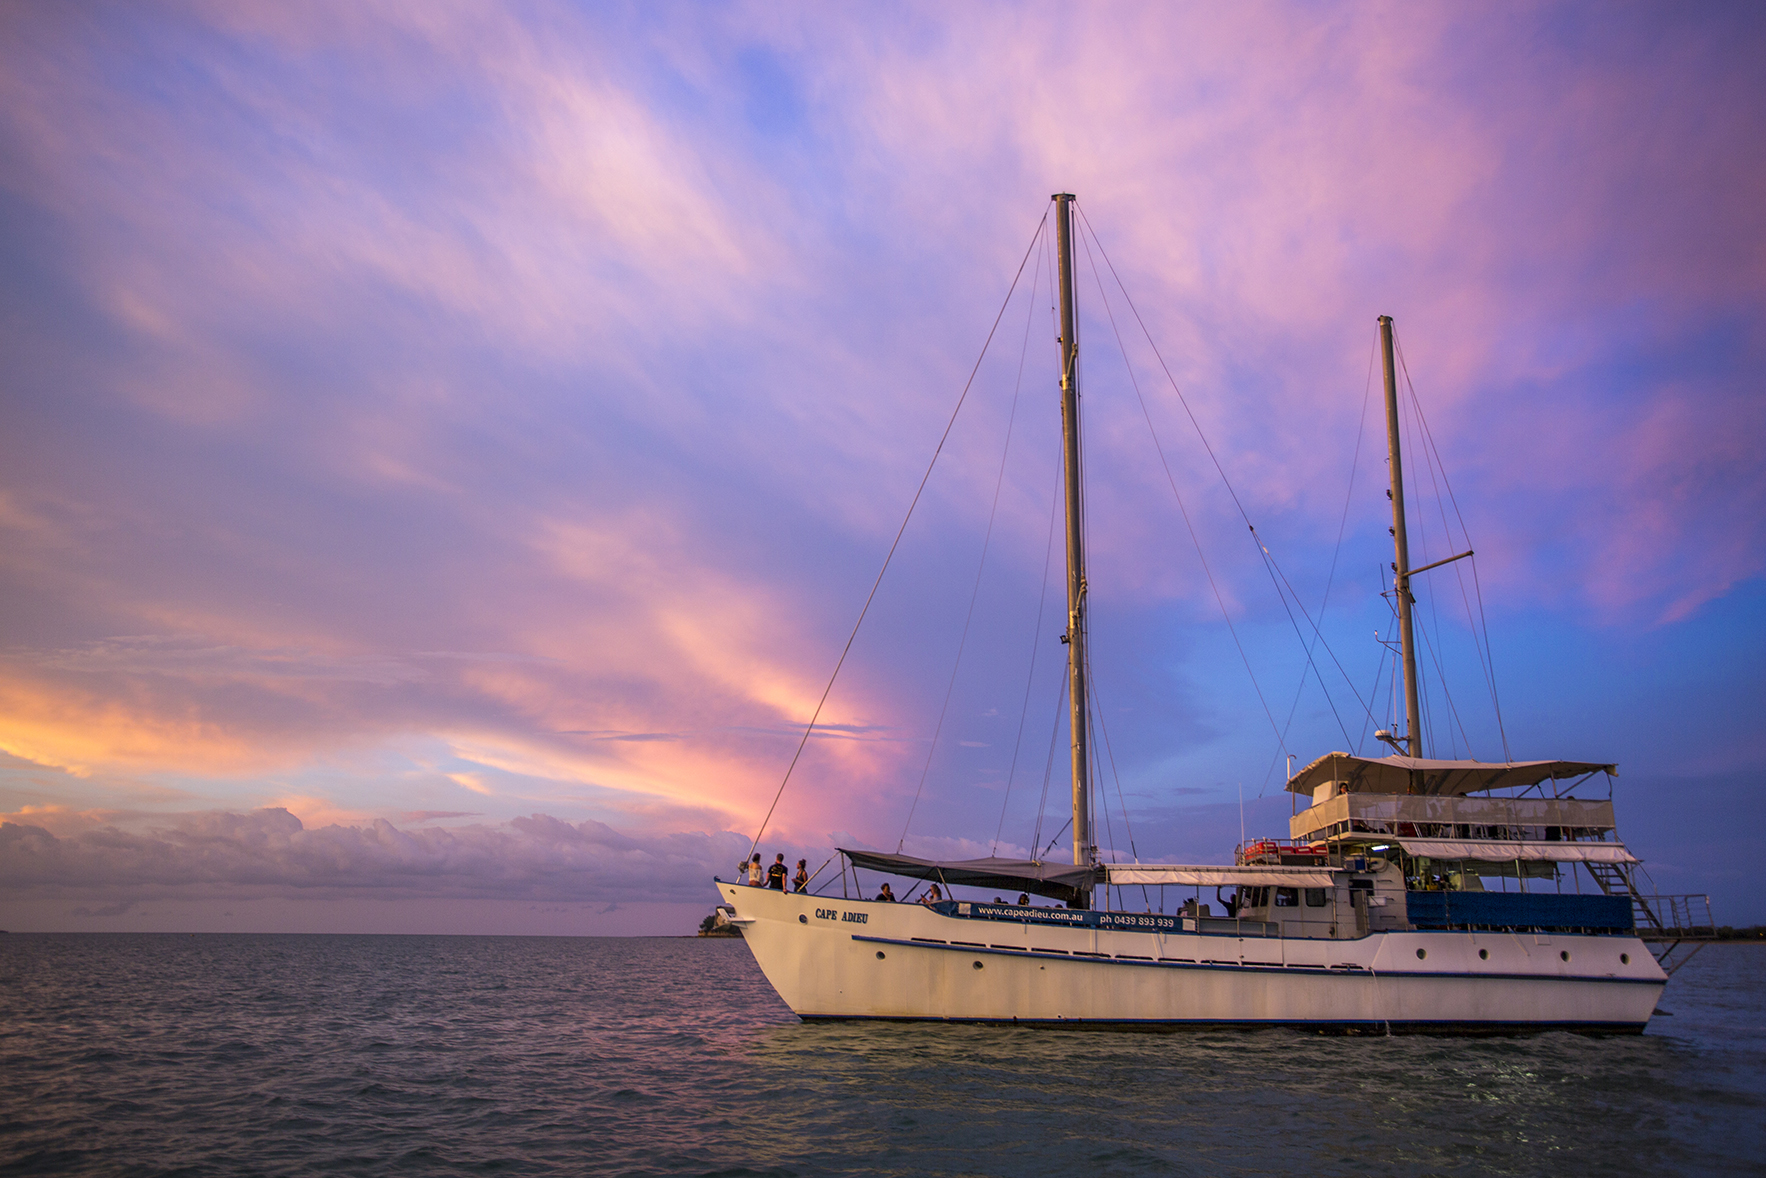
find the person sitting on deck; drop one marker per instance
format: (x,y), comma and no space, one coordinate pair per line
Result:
(775,875)
(931,896)
(800,881)
(1023,899)
(886,896)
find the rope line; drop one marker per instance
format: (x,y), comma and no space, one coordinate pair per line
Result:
(1264,554)
(1331,577)
(1048,769)
(1171,477)
(896,543)
(1486,656)
(999,482)
(1048,552)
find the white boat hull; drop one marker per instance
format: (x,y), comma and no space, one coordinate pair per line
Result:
(853,959)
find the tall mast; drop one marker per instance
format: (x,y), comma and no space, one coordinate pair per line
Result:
(1083,850)
(1401,546)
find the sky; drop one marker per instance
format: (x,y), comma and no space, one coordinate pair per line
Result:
(446,447)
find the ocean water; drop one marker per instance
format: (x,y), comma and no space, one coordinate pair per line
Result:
(239,1055)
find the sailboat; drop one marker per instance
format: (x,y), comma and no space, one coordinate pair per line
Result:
(1371,916)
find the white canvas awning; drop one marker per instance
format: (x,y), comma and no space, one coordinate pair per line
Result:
(1503,852)
(1417,775)
(1217,877)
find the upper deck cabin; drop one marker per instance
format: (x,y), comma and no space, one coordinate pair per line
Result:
(1524,821)
(1452,835)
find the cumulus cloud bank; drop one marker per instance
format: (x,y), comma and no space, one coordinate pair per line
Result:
(270,851)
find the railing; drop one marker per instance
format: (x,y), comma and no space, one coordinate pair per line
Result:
(1675,918)
(1486,812)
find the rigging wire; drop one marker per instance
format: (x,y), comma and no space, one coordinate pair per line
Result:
(1172,479)
(1373,690)
(1273,569)
(1270,563)
(1422,617)
(1431,463)
(1048,550)
(1336,552)
(1100,794)
(1057,837)
(1397,652)
(1486,656)
(1122,800)
(980,568)
(1507,754)
(1452,708)
(1048,769)
(896,543)
(1278,578)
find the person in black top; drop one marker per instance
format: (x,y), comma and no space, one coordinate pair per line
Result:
(775,875)
(887,896)
(800,881)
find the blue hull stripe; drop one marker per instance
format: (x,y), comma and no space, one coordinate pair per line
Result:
(1376,1026)
(1289,970)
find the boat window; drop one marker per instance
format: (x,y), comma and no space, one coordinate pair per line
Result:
(1287,897)
(1315,897)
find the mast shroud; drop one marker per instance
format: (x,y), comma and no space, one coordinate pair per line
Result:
(1084,850)
(1401,546)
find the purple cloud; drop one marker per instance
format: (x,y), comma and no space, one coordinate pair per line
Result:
(414,409)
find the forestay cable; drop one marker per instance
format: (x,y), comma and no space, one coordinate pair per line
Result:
(980,568)
(899,532)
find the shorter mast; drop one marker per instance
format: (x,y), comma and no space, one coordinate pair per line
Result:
(1401,547)
(1083,850)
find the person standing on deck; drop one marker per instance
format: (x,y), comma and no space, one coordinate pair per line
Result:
(775,875)
(800,881)
(754,872)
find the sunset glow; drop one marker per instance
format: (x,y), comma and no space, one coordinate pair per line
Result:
(447,447)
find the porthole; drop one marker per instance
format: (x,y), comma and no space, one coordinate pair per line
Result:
(1564,956)
(802,919)
(1421,953)
(977,965)
(879,955)
(1483,955)
(1624,959)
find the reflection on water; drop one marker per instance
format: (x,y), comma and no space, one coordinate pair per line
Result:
(1007,1100)
(298,1054)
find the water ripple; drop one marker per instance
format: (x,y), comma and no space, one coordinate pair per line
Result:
(287,1055)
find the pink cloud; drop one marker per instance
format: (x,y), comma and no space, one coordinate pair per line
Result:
(495,381)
